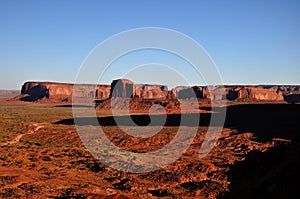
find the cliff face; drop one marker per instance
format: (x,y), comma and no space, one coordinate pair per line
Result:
(254,93)
(124,88)
(35,91)
(102,92)
(146,91)
(184,92)
(234,93)
(61,91)
(120,88)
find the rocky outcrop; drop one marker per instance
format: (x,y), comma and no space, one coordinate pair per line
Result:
(254,93)
(102,92)
(289,89)
(123,88)
(33,91)
(233,93)
(291,93)
(184,92)
(146,91)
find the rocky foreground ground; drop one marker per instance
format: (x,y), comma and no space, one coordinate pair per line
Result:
(256,156)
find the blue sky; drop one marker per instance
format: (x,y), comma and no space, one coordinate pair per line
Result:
(251,42)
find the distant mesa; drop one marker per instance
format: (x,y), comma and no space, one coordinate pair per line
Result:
(9,93)
(60,92)
(124,88)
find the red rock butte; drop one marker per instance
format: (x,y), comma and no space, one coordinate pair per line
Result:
(123,88)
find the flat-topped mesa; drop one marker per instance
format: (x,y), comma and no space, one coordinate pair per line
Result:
(61,91)
(123,88)
(254,93)
(185,92)
(39,90)
(289,89)
(100,92)
(147,91)
(232,93)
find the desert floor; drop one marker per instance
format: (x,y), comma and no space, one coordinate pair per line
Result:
(257,155)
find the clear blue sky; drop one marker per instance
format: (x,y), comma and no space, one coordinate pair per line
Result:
(251,42)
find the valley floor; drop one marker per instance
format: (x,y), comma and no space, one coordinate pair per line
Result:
(256,156)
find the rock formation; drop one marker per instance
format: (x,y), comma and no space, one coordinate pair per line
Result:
(123,88)
(146,91)
(33,91)
(254,93)
(233,93)
(185,92)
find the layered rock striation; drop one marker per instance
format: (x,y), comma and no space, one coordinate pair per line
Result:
(123,88)
(33,91)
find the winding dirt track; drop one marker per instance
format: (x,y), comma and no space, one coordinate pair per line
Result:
(19,137)
(18,172)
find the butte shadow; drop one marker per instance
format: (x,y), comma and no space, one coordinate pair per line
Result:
(265,121)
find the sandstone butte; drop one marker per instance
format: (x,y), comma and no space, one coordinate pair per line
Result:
(123,88)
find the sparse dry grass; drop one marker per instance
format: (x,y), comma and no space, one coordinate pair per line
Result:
(52,161)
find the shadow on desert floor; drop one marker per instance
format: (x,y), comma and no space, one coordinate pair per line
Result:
(266,121)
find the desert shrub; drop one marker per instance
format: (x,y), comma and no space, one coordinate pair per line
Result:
(46,158)
(70,194)
(94,166)
(5,180)
(3,158)
(9,193)
(19,163)
(33,159)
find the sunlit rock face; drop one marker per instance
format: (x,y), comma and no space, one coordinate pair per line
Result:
(254,93)
(49,90)
(269,94)
(147,91)
(233,93)
(62,91)
(124,88)
(102,92)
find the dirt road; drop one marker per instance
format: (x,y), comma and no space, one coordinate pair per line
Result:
(19,137)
